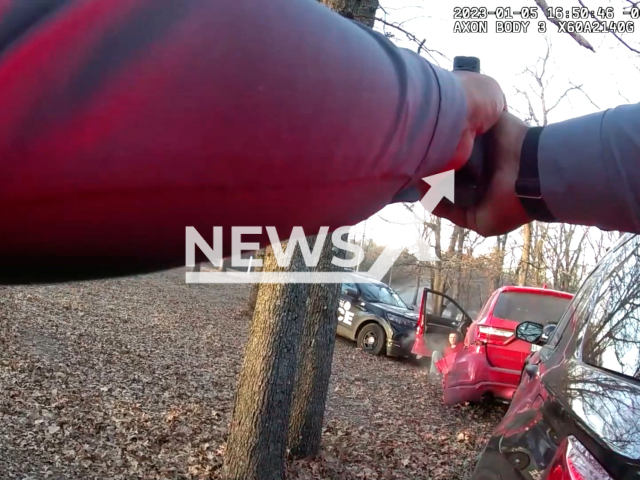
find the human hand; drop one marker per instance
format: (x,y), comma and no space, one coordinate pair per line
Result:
(500,210)
(485,103)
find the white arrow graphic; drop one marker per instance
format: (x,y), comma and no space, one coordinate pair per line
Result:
(442,185)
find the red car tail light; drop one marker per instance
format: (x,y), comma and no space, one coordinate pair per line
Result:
(493,335)
(574,462)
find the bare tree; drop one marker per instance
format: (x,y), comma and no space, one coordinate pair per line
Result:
(316,354)
(499,253)
(315,359)
(540,235)
(532,265)
(566,247)
(525,259)
(599,242)
(257,436)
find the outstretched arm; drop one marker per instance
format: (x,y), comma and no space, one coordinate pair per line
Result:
(590,169)
(125,121)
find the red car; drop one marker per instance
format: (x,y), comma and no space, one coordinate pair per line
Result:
(576,413)
(490,364)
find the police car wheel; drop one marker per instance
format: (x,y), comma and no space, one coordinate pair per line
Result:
(372,339)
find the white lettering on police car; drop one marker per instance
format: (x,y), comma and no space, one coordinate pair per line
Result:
(345,316)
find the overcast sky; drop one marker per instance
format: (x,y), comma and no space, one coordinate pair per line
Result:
(609,77)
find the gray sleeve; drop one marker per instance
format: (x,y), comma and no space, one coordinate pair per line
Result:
(435,107)
(590,169)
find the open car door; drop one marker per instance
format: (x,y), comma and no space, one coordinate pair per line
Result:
(440,315)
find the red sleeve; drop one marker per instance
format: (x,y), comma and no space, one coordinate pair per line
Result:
(125,121)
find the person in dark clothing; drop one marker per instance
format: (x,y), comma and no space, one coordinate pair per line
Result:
(125,121)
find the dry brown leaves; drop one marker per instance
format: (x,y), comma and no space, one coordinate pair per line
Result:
(134,379)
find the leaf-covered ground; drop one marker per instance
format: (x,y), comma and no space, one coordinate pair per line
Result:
(134,378)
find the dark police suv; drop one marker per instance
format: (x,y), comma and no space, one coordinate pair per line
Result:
(375,317)
(576,412)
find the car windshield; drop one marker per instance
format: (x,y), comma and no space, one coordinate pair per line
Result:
(530,307)
(378,293)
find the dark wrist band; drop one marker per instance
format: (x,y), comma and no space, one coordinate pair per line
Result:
(528,187)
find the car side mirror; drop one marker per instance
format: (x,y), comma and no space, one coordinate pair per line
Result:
(350,292)
(410,307)
(530,332)
(459,317)
(547,331)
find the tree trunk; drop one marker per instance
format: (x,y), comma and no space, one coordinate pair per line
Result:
(414,302)
(438,277)
(499,254)
(253,298)
(538,254)
(439,285)
(523,271)
(456,250)
(315,358)
(316,354)
(253,293)
(257,437)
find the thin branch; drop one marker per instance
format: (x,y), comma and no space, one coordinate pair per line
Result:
(588,97)
(409,20)
(576,36)
(623,97)
(413,38)
(542,86)
(544,59)
(573,87)
(532,113)
(612,33)
(633,4)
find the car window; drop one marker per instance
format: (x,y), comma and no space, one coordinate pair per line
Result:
(485,308)
(530,307)
(612,338)
(380,293)
(348,285)
(579,307)
(450,311)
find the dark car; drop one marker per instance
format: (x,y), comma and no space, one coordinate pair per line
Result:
(374,315)
(576,412)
